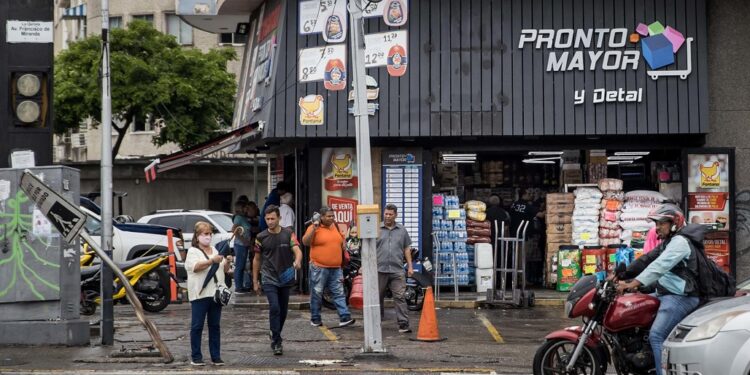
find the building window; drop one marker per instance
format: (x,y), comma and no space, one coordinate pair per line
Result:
(232,38)
(145,17)
(142,124)
(179,29)
(115,22)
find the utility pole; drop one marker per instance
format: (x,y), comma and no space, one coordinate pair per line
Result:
(107,323)
(373,334)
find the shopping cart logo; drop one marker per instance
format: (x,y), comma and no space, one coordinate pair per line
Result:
(659,46)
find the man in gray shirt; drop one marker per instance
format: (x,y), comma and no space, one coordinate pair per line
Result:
(394,247)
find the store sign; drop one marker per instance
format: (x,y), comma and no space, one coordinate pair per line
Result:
(29,32)
(610,50)
(312,110)
(339,184)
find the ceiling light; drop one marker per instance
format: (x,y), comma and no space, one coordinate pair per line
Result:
(631,158)
(538,153)
(618,162)
(538,161)
(632,153)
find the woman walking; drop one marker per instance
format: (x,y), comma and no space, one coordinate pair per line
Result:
(199,259)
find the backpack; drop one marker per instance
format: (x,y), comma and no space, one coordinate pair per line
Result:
(712,281)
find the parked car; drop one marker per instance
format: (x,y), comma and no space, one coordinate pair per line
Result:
(186,219)
(743,288)
(715,339)
(132,240)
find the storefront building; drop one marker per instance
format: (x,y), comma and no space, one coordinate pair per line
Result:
(475,98)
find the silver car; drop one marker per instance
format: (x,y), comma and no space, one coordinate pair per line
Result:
(714,339)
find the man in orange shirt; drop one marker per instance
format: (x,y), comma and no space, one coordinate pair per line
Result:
(326,245)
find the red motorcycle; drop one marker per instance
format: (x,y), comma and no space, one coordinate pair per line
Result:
(615,328)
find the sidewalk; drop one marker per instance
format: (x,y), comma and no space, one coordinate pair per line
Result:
(466,300)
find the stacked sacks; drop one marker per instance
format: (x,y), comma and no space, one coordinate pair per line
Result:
(586,217)
(476,210)
(633,220)
(478,232)
(609,220)
(560,208)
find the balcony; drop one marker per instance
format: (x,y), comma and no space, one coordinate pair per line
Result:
(216,16)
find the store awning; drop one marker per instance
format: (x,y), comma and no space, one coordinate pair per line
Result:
(75,12)
(184,157)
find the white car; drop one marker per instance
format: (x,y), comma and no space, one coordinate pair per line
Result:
(185,220)
(715,339)
(130,240)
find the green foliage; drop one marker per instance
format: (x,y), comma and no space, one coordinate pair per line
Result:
(189,90)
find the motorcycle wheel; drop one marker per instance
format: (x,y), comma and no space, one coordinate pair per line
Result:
(414,297)
(552,358)
(161,300)
(88,308)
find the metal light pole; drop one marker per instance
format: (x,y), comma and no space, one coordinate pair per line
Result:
(107,323)
(373,335)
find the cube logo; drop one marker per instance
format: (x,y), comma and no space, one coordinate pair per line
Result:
(659,45)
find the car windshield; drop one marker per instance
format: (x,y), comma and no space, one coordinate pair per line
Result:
(223,220)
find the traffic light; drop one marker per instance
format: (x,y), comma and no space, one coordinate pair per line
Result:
(29,99)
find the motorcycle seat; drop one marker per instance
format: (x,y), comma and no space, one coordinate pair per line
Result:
(87,272)
(136,261)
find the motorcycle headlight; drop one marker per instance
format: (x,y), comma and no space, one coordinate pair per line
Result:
(710,328)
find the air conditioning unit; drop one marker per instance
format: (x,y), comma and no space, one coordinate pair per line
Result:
(78,140)
(59,152)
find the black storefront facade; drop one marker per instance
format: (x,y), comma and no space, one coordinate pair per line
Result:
(498,79)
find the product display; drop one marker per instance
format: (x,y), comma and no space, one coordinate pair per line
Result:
(633,220)
(609,219)
(568,267)
(586,217)
(560,207)
(449,224)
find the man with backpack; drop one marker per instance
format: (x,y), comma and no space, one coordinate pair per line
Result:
(674,267)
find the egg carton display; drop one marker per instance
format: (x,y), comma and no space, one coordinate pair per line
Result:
(585,219)
(612,204)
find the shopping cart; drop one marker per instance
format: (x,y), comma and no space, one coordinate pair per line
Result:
(511,253)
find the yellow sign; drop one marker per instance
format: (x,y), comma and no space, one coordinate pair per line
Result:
(710,174)
(342,166)
(454,214)
(311,110)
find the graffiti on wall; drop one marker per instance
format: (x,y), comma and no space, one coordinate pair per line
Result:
(27,271)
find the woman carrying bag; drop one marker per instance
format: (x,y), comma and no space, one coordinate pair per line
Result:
(203,306)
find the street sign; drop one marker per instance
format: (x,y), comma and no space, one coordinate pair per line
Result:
(66,217)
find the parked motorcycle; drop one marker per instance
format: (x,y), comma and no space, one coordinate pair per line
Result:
(616,324)
(87,255)
(148,275)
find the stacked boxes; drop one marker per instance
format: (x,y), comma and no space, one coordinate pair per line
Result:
(447,175)
(493,172)
(449,224)
(560,208)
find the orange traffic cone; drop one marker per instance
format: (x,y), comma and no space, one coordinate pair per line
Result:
(428,325)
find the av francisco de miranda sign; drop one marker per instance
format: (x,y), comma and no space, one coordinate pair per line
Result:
(612,49)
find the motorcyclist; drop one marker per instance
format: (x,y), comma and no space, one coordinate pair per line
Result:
(673,267)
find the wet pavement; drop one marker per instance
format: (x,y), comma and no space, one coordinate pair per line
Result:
(476,341)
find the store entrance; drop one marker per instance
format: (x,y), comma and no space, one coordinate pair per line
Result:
(514,186)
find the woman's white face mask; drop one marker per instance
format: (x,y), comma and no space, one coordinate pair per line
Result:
(204,239)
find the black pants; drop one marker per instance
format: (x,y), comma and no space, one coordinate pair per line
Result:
(278,301)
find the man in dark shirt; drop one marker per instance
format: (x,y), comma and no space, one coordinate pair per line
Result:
(496,213)
(522,210)
(277,257)
(274,198)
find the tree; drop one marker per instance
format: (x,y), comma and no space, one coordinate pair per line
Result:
(152,76)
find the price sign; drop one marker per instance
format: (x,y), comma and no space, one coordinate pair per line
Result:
(378,46)
(394,12)
(312,61)
(328,17)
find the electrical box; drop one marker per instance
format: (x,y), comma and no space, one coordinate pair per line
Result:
(368,222)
